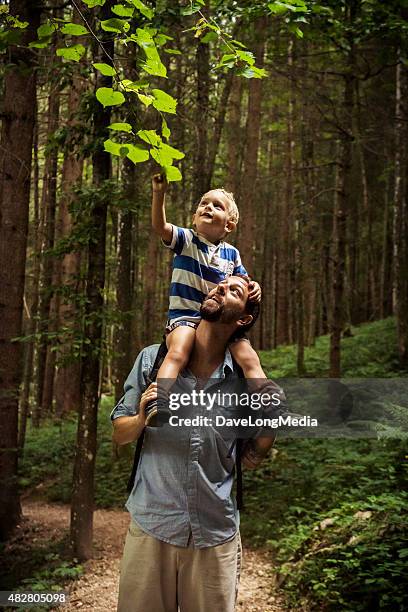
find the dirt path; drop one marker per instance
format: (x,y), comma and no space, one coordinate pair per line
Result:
(97,589)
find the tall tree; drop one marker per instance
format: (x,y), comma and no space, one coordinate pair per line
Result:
(84,465)
(18,117)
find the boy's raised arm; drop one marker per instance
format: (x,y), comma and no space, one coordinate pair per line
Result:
(159,223)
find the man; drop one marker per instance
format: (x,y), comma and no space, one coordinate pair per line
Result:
(182,549)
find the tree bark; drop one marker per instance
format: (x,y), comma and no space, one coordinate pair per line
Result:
(48,206)
(247,202)
(15,170)
(200,171)
(84,464)
(400,274)
(67,382)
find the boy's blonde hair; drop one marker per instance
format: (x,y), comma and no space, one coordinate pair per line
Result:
(232,205)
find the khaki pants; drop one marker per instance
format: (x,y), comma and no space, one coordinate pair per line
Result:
(160,577)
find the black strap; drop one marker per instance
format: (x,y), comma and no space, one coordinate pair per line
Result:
(240,499)
(161,353)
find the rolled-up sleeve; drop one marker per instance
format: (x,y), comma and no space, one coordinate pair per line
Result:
(181,237)
(135,384)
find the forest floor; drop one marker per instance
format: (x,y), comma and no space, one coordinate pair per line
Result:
(97,588)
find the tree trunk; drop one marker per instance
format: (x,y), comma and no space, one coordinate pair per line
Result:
(18,117)
(400,280)
(67,382)
(247,202)
(234,152)
(283,323)
(48,206)
(24,407)
(340,232)
(123,331)
(200,170)
(84,464)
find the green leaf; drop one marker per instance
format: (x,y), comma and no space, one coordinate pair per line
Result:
(142,8)
(209,37)
(172,51)
(120,127)
(74,29)
(246,56)
(153,64)
(161,157)
(171,151)
(115,148)
(154,67)
(115,25)
(92,3)
(107,97)
(149,136)
(45,30)
(165,130)
(193,8)
(164,102)
(73,53)
(122,11)
(146,100)
(128,85)
(172,173)
(137,154)
(252,72)
(105,69)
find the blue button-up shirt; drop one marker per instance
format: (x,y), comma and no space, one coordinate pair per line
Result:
(185,475)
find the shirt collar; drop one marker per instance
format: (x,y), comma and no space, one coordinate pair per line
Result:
(222,370)
(207,242)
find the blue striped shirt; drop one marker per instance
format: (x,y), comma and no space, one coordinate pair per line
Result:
(198,266)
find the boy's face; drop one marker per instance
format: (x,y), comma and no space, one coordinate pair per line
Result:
(211,218)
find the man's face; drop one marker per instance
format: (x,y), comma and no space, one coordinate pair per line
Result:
(226,302)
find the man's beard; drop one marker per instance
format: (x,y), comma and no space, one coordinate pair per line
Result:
(213,311)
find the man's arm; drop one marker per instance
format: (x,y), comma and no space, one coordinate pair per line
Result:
(127,429)
(128,416)
(159,222)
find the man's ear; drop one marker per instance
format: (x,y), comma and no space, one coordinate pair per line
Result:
(245,320)
(230,226)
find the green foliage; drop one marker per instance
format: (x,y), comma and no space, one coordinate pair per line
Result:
(108,97)
(333,511)
(370,353)
(48,459)
(73,53)
(105,69)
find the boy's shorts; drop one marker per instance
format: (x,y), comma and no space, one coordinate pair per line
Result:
(171,326)
(238,335)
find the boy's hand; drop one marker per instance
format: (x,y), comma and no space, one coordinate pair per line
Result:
(159,183)
(255,292)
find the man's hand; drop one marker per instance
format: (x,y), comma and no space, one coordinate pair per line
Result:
(159,183)
(255,292)
(255,451)
(126,429)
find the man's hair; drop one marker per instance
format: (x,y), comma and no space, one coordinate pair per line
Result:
(252,308)
(233,211)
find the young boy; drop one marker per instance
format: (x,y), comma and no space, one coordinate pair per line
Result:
(202,259)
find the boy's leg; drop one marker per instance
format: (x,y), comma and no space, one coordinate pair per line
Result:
(247,358)
(180,343)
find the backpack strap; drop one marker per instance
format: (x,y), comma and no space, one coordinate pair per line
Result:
(161,353)
(239,444)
